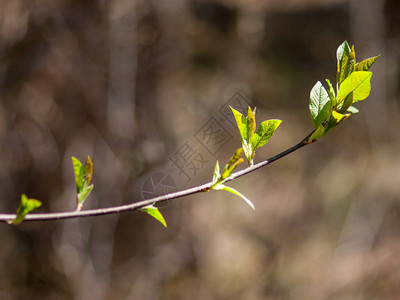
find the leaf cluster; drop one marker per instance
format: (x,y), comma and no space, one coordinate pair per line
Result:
(26,206)
(83,177)
(353,84)
(251,139)
(220,178)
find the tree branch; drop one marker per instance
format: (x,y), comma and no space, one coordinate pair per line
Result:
(137,205)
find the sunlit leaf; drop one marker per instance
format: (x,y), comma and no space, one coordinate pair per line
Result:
(358,83)
(334,120)
(155,213)
(248,151)
(216,174)
(235,192)
(331,92)
(366,64)
(317,134)
(319,104)
(26,206)
(264,133)
(78,171)
(242,124)
(251,124)
(343,58)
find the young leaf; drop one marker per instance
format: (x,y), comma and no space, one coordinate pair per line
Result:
(216,174)
(366,64)
(88,172)
(78,171)
(242,124)
(83,177)
(348,68)
(155,213)
(264,133)
(348,101)
(248,151)
(235,192)
(234,161)
(359,83)
(343,57)
(81,197)
(319,104)
(317,134)
(331,93)
(251,124)
(334,120)
(26,206)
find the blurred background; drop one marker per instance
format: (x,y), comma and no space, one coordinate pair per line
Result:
(143,87)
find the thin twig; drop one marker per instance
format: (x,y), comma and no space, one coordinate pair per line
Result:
(137,205)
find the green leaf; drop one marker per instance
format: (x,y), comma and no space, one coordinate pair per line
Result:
(359,83)
(334,120)
(82,196)
(350,65)
(235,192)
(366,64)
(343,60)
(233,162)
(79,171)
(242,124)
(264,133)
(155,213)
(26,206)
(216,174)
(348,101)
(251,124)
(248,151)
(331,93)
(317,134)
(319,104)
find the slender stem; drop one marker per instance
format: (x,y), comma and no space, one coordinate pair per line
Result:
(141,204)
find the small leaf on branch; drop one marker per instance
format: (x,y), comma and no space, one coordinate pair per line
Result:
(235,192)
(233,162)
(81,197)
(26,206)
(348,101)
(358,83)
(331,93)
(366,64)
(78,171)
(83,177)
(251,124)
(155,213)
(264,133)
(317,134)
(216,174)
(344,60)
(319,104)
(334,120)
(242,123)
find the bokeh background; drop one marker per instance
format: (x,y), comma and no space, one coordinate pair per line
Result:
(132,82)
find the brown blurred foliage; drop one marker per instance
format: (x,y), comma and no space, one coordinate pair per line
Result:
(127,82)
